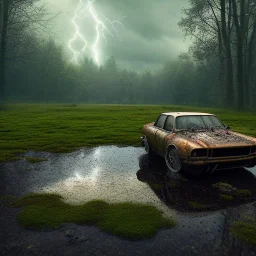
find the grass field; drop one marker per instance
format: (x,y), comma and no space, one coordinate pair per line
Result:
(63,128)
(128,220)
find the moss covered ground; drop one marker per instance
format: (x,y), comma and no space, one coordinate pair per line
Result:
(246,231)
(64,128)
(127,220)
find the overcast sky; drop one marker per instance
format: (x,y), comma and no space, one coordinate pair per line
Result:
(149,35)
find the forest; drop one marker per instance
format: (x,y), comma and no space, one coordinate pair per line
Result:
(219,70)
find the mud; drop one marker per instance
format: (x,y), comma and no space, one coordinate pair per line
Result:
(107,173)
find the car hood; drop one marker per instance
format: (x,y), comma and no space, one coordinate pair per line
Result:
(216,138)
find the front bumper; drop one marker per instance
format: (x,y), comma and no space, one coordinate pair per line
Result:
(221,163)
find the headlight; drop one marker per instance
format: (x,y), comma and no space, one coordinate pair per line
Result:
(199,152)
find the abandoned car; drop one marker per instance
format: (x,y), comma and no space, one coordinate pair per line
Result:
(197,142)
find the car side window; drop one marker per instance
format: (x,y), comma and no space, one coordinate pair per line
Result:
(160,122)
(169,123)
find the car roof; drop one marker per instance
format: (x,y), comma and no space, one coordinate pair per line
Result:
(175,114)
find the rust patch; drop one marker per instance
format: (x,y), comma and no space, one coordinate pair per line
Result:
(214,138)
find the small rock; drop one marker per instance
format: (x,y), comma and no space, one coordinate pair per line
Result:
(72,240)
(70,232)
(83,238)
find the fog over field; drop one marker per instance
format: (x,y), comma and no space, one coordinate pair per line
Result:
(180,52)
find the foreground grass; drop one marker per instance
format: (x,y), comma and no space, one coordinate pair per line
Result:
(196,205)
(245,231)
(63,128)
(34,160)
(128,220)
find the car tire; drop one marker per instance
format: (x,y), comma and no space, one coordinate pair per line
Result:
(147,147)
(172,160)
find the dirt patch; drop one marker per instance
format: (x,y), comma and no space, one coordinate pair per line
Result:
(191,194)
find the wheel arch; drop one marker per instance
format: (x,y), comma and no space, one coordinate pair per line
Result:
(171,146)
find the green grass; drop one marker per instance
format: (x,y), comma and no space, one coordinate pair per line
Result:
(226,197)
(223,186)
(35,159)
(63,128)
(243,192)
(196,205)
(245,231)
(128,220)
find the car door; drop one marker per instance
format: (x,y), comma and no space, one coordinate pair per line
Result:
(159,124)
(162,133)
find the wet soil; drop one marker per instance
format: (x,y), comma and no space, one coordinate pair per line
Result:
(179,190)
(109,173)
(191,236)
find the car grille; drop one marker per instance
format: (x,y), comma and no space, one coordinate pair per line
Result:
(238,151)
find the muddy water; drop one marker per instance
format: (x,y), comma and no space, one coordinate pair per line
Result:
(107,173)
(252,170)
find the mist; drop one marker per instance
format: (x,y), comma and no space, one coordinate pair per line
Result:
(113,52)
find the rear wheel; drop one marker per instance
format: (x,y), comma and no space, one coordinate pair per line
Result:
(172,160)
(147,147)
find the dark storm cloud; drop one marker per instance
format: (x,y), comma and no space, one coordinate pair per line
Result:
(151,19)
(150,35)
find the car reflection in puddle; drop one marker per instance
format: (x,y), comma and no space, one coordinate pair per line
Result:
(109,173)
(186,193)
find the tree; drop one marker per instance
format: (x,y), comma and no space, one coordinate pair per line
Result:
(17,16)
(226,29)
(210,23)
(4,23)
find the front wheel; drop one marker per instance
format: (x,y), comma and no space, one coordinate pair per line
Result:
(172,160)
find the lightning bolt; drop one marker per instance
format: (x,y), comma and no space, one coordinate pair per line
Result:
(102,25)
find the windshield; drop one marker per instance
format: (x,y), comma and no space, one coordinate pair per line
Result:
(198,122)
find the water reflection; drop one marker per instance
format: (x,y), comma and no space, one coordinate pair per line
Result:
(92,177)
(178,190)
(97,152)
(107,173)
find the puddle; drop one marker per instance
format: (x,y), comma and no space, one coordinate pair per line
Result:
(107,173)
(186,193)
(111,173)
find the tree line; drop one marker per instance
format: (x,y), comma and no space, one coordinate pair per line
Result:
(218,71)
(45,75)
(226,29)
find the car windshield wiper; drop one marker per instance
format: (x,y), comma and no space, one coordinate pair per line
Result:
(219,127)
(210,128)
(196,129)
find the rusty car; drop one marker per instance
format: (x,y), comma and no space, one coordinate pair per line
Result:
(197,142)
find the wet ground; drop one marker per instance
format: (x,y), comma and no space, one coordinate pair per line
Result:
(116,174)
(187,193)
